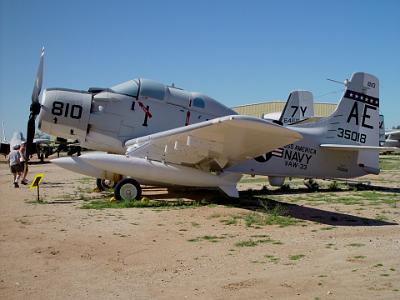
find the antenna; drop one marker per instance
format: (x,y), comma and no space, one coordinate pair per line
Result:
(340,82)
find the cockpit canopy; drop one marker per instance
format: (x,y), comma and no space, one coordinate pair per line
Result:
(145,87)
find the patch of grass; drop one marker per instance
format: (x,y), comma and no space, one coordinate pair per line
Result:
(359,257)
(296,257)
(194,224)
(389,162)
(260,219)
(247,243)
(328,228)
(253,242)
(102,204)
(356,245)
(385,274)
(334,186)
(210,238)
(381,218)
(269,216)
(272,258)
(378,265)
(232,220)
(252,179)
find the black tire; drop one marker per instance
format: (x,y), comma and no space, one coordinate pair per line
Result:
(127,189)
(105,184)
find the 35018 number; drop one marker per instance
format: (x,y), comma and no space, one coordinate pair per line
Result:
(352,135)
(73,111)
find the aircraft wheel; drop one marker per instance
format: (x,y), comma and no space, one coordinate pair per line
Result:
(127,189)
(105,184)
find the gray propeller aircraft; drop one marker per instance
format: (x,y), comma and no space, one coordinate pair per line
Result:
(163,135)
(299,106)
(392,138)
(389,140)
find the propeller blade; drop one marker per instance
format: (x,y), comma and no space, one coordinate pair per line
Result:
(30,134)
(39,79)
(34,109)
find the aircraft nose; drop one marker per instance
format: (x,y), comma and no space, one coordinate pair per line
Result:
(65,113)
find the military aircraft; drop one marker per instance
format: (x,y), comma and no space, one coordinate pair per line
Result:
(40,145)
(392,138)
(389,138)
(163,135)
(299,106)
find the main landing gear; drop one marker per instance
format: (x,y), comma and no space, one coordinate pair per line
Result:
(105,184)
(127,189)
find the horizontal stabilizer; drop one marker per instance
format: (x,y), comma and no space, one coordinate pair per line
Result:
(355,147)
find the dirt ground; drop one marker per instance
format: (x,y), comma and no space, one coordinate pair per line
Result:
(328,245)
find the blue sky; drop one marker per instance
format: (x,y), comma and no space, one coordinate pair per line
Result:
(237,52)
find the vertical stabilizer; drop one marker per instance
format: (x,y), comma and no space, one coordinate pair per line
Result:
(299,106)
(355,121)
(356,118)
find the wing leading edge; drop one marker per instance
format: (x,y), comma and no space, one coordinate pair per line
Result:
(213,144)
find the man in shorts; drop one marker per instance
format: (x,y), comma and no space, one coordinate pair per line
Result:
(23,168)
(15,165)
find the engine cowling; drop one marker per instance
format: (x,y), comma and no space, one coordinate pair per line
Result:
(65,113)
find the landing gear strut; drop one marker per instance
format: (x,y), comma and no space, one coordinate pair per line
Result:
(128,189)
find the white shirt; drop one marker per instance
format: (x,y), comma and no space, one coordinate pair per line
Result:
(14,157)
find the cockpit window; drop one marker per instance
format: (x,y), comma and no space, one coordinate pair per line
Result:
(152,89)
(129,88)
(198,102)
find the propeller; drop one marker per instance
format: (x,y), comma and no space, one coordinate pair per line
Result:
(34,108)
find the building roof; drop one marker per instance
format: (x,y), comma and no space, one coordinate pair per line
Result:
(259,109)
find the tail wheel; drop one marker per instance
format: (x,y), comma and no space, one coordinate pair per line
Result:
(128,189)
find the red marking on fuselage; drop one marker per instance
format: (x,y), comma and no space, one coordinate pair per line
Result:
(187,118)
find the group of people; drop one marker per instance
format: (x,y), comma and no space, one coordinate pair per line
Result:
(16,159)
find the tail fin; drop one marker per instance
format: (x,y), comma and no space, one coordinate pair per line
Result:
(356,118)
(355,122)
(299,106)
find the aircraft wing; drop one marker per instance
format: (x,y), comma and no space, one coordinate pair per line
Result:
(213,144)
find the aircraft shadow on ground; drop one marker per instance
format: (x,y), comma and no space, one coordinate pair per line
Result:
(249,200)
(311,213)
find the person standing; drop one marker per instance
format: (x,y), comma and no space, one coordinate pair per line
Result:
(15,165)
(24,169)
